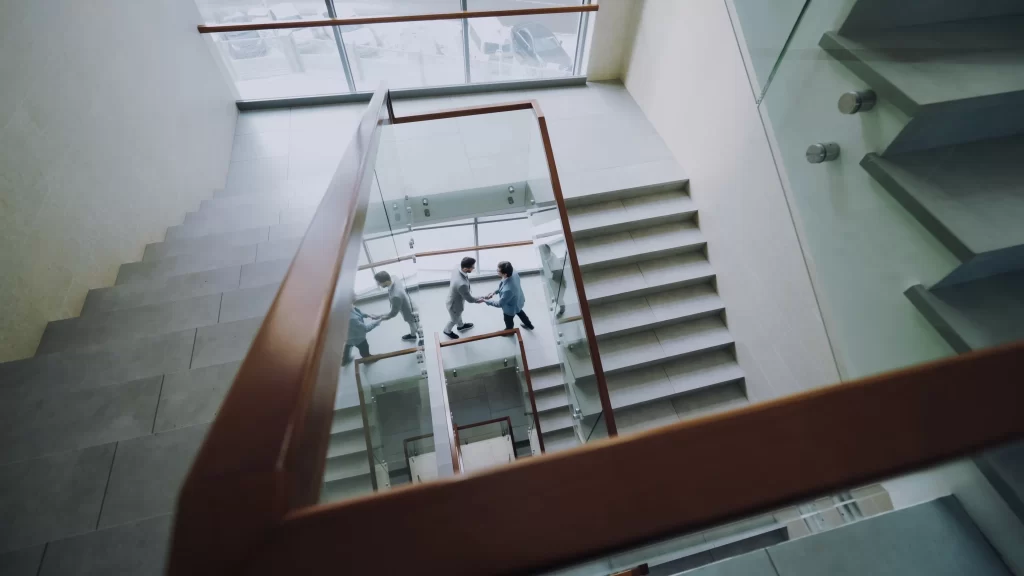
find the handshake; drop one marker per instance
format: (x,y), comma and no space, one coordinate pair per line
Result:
(485,298)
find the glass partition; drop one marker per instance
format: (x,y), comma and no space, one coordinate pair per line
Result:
(521,47)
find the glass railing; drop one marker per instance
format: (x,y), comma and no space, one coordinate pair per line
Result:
(498,41)
(488,385)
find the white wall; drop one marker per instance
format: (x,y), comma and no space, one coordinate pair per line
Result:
(610,37)
(114,121)
(686,73)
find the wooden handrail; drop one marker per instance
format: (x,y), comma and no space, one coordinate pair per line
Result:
(263,454)
(446,251)
(321,22)
(715,469)
(453,441)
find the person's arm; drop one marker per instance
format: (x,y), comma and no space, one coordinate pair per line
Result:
(371,324)
(396,307)
(464,292)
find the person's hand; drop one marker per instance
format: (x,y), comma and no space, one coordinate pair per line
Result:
(480,300)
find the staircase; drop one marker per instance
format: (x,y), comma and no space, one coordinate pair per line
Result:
(957,71)
(660,324)
(110,412)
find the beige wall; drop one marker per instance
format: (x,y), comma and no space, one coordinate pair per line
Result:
(610,38)
(114,121)
(686,73)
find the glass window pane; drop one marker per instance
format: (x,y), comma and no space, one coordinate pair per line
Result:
(405,54)
(507,231)
(521,258)
(442,238)
(521,47)
(281,63)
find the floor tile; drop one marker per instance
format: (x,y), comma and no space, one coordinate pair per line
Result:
(263,273)
(165,249)
(665,237)
(255,121)
(139,549)
(278,250)
(174,288)
(223,343)
(686,302)
(660,204)
(603,248)
(638,386)
(675,269)
(630,350)
(703,370)
(645,417)
(247,303)
(75,420)
(752,564)
(621,315)
(687,337)
(23,562)
(148,473)
(52,497)
(612,281)
(193,396)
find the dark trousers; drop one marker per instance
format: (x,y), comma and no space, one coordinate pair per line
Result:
(522,316)
(364,351)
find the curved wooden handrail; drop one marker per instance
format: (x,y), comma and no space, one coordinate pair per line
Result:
(263,454)
(322,22)
(542,513)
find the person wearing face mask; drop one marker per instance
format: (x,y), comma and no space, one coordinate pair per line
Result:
(400,303)
(458,294)
(510,297)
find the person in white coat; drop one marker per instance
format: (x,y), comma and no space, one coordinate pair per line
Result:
(458,294)
(401,303)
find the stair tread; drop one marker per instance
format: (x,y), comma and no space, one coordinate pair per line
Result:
(167,248)
(636,245)
(155,272)
(630,212)
(121,325)
(640,312)
(546,378)
(180,287)
(672,378)
(559,440)
(630,279)
(941,62)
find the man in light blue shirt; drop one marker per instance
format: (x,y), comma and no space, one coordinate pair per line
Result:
(359,324)
(510,297)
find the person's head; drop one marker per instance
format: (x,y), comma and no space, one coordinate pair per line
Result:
(505,269)
(468,264)
(383,279)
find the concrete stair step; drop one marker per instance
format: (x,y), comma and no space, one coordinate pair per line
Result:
(672,379)
(560,440)
(247,216)
(345,488)
(347,442)
(967,196)
(657,310)
(551,399)
(225,342)
(651,243)
(345,466)
(555,420)
(298,217)
(547,377)
(201,244)
(651,347)
(263,273)
(247,303)
(280,249)
(156,272)
(174,288)
(347,419)
(193,397)
(66,372)
(622,182)
(281,199)
(120,325)
(648,277)
(630,213)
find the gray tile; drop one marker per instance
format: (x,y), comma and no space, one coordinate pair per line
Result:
(591,251)
(504,393)
(634,419)
(224,343)
(248,303)
(267,144)
(703,370)
(34,427)
(49,498)
(658,204)
(934,538)
(596,215)
(621,315)
(22,562)
(288,230)
(250,176)
(148,473)
(638,386)
(139,549)
(612,281)
(630,350)
(159,250)
(687,302)
(174,288)
(278,250)
(194,396)
(255,121)
(155,272)
(121,325)
(70,371)
(693,336)
(579,185)
(752,564)
(710,400)
(263,273)
(672,270)
(666,237)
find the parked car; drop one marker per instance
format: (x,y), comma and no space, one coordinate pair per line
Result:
(490,37)
(535,45)
(243,45)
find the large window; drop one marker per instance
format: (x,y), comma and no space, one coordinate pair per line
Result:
(317,61)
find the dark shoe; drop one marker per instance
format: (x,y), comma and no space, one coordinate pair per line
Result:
(409,337)
(528,326)
(465,326)
(451,335)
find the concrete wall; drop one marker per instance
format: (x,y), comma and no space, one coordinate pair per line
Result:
(686,73)
(611,37)
(114,121)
